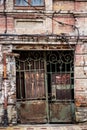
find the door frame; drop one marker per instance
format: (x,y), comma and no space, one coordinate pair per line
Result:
(46,87)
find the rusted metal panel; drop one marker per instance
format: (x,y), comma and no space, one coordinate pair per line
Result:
(61,86)
(35,85)
(60,112)
(30,76)
(32,112)
(61,79)
(62,94)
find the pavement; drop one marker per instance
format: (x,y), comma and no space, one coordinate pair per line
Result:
(46,127)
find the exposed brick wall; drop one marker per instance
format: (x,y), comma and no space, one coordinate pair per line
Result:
(2,24)
(62,5)
(60,28)
(10,24)
(81,6)
(81,83)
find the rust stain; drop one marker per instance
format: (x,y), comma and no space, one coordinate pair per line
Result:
(77,103)
(5,68)
(16,129)
(34,111)
(41,47)
(30,128)
(59,112)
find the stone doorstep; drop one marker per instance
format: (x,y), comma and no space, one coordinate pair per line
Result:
(59,127)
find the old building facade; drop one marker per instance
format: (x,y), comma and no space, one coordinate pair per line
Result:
(43,61)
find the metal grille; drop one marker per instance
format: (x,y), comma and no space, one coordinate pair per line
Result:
(30,76)
(45,80)
(60,81)
(60,73)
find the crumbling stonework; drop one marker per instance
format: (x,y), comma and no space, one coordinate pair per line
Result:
(7,86)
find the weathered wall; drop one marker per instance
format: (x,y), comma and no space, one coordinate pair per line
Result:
(1,85)
(31,22)
(59,28)
(78,12)
(33,26)
(65,5)
(81,82)
(8,85)
(62,5)
(9,25)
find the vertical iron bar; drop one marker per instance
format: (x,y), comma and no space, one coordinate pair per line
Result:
(35,72)
(71,92)
(50,73)
(20,80)
(46,87)
(72,85)
(25,83)
(55,67)
(65,84)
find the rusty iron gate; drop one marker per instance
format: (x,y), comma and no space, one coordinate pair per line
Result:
(45,87)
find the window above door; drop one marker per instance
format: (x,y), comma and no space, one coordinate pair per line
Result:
(29,3)
(21,2)
(1,2)
(37,2)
